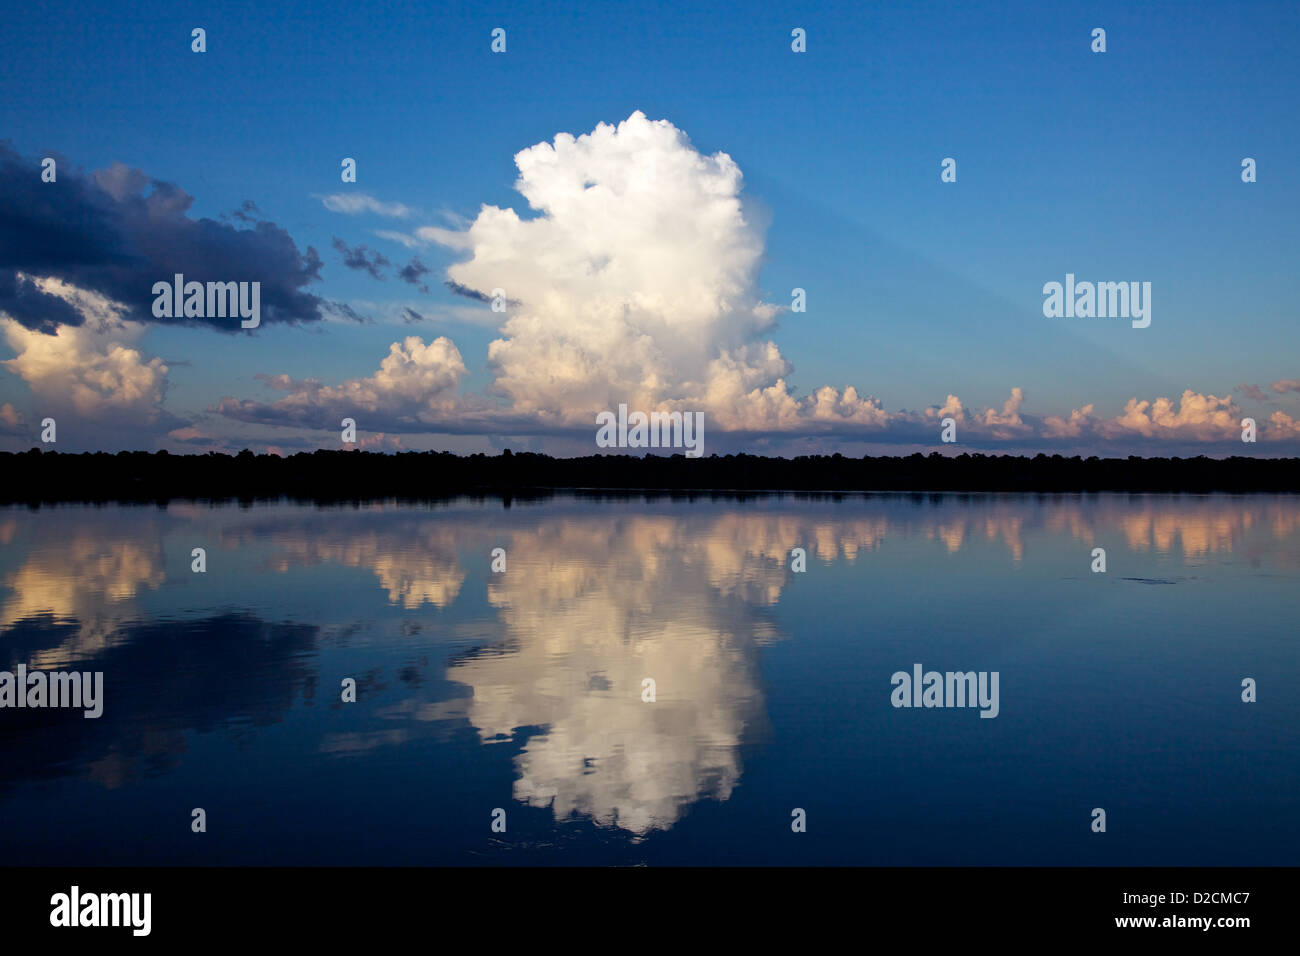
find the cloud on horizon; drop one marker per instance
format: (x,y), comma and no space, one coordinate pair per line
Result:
(634,280)
(636,283)
(92,373)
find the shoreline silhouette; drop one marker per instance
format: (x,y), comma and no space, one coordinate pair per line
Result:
(38,476)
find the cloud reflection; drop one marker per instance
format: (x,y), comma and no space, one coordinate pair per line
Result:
(598,596)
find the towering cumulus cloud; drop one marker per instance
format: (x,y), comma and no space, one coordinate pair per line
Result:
(633,279)
(636,282)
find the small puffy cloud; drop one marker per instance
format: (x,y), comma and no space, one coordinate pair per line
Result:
(1194,416)
(1007,423)
(1284,426)
(190,435)
(847,406)
(361,259)
(453,238)
(11,420)
(416,386)
(1286,385)
(1080,422)
(414,272)
(378,441)
(353,204)
(951,408)
(411,242)
(1253,392)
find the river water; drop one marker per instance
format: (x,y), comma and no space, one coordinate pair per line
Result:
(521,697)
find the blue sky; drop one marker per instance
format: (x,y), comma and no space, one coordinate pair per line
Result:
(1114,166)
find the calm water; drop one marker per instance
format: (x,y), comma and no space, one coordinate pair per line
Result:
(523,690)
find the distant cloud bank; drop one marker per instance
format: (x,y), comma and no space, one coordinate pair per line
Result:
(634,280)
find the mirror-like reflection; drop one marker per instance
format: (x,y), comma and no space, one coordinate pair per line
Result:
(527,688)
(589,611)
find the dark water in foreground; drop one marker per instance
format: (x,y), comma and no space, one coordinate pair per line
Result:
(523,690)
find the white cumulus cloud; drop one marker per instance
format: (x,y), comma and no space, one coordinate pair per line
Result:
(96,369)
(353,204)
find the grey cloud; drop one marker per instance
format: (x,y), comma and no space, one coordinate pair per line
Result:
(117,231)
(361,258)
(414,273)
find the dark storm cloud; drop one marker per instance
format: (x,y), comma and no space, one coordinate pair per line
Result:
(116,232)
(361,258)
(31,307)
(467,292)
(343,310)
(475,294)
(247,212)
(414,273)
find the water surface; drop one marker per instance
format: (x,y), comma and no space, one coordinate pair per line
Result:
(522,690)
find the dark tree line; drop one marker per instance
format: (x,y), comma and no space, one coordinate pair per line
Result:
(37,476)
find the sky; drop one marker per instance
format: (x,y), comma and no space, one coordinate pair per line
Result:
(647,185)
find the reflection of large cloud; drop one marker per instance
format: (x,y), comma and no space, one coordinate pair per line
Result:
(596,598)
(593,605)
(589,611)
